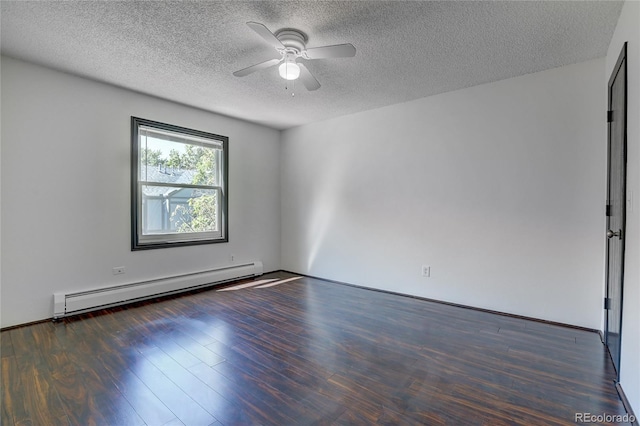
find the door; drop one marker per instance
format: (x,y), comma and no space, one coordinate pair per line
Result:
(616,206)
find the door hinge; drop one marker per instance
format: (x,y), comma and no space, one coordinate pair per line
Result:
(608,210)
(607,303)
(609,116)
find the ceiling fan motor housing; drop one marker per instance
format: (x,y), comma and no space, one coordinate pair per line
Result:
(293,40)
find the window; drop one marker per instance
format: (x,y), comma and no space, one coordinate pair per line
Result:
(178,186)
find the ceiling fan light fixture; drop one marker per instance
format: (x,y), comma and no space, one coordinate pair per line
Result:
(289,70)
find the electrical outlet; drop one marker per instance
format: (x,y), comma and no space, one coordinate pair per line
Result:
(426,271)
(118,270)
(232,258)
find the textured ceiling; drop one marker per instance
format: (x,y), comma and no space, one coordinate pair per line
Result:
(187,51)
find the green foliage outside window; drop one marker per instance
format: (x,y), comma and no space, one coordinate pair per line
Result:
(201,213)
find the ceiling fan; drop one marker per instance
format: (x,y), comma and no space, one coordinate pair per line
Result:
(291,46)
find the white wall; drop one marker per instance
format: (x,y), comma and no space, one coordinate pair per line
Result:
(628,30)
(0,191)
(66,197)
(499,188)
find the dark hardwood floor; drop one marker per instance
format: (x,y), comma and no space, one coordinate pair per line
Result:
(303,352)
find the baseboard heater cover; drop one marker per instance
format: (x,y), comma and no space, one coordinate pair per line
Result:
(65,304)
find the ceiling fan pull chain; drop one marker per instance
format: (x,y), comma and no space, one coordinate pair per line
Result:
(286,67)
(286,84)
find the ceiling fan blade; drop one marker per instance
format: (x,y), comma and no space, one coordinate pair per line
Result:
(307,78)
(257,67)
(267,35)
(337,51)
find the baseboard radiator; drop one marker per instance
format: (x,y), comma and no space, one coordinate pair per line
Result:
(65,304)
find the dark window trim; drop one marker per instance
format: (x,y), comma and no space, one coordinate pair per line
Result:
(135,202)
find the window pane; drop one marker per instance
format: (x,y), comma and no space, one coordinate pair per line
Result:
(176,210)
(166,161)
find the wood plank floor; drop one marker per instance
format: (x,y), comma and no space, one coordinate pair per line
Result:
(304,352)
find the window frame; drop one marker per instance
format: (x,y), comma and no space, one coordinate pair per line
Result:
(166,240)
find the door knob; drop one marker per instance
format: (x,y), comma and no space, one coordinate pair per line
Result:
(611,234)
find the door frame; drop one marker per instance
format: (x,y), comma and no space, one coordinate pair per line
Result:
(621,62)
